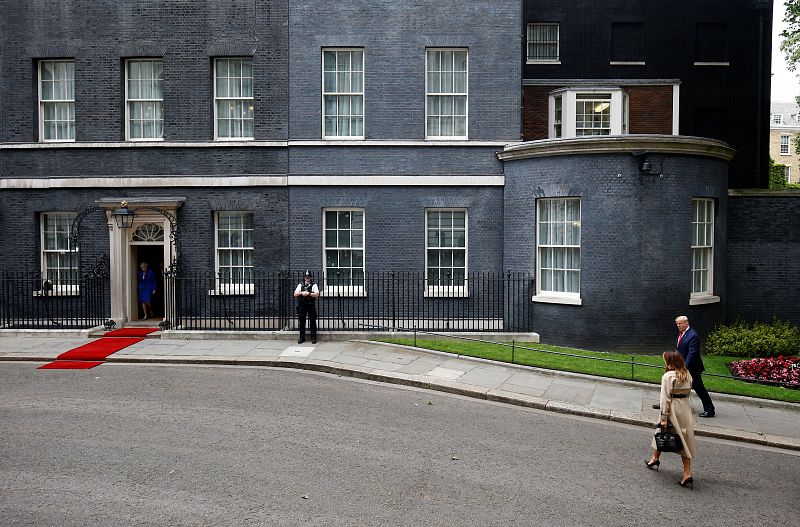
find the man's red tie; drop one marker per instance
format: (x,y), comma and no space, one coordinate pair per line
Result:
(679,340)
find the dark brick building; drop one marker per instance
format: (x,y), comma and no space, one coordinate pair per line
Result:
(361,137)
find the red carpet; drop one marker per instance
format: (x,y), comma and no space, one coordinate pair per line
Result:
(71,365)
(99,349)
(89,355)
(130,332)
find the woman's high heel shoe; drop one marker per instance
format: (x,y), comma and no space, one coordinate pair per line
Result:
(651,464)
(687,483)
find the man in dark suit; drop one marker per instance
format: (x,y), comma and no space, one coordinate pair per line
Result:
(688,346)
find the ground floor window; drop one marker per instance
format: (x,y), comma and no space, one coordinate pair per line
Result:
(234,251)
(702,246)
(446,248)
(59,260)
(344,249)
(558,244)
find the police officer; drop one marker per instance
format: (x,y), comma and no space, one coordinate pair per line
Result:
(306,294)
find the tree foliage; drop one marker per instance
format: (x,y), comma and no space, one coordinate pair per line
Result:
(791,35)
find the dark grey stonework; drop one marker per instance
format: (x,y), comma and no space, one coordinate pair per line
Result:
(100,35)
(390,161)
(635,245)
(764,258)
(19,221)
(136,161)
(395,224)
(394,41)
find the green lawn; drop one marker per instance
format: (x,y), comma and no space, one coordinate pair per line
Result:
(713,364)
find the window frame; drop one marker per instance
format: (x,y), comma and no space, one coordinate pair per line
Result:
(323,93)
(465,137)
(40,63)
(777,118)
(706,296)
(128,137)
(558,297)
(786,141)
(447,291)
(787,171)
(528,59)
(569,97)
(58,288)
(245,288)
(216,98)
(344,290)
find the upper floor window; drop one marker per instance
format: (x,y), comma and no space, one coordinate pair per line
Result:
(233,98)
(558,244)
(144,95)
(446,251)
(57,100)
(446,93)
(59,260)
(702,247)
(711,44)
(344,250)
(777,118)
(343,93)
(234,251)
(785,144)
(627,43)
(587,112)
(543,42)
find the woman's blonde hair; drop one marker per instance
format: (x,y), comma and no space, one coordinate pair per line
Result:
(673,361)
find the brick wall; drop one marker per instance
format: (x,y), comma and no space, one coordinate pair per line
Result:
(535,112)
(793,158)
(649,109)
(394,41)
(635,245)
(764,257)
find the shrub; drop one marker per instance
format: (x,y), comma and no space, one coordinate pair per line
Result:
(758,340)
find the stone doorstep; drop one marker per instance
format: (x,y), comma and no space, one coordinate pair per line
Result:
(442,385)
(335,336)
(740,399)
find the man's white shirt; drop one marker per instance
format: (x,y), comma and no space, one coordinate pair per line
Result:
(314,288)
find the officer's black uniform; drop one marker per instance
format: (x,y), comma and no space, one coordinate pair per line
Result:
(307,307)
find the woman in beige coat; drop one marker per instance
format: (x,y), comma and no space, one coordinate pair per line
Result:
(676,384)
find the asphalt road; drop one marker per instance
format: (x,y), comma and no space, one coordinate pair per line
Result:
(182,445)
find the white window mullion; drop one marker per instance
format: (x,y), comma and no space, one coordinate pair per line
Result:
(343,250)
(234,252)
(558,249)
(233,99)
(56,100)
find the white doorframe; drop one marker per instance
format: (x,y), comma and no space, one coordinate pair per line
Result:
(122,273)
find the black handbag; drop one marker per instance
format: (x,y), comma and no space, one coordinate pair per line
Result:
(667,441)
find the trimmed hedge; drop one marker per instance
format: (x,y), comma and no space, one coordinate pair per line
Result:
(757,340)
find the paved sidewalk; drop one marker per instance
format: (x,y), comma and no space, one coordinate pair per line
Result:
(738,418)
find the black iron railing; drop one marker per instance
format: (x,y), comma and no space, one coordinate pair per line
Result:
(28,300)
(479,301)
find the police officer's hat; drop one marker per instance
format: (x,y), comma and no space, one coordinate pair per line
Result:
(307,273)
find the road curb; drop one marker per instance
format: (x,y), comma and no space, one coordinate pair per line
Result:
(727,397)
(441,385)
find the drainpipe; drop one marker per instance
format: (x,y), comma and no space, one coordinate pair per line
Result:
(764,82)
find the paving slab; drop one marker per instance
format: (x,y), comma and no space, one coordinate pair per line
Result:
(613,397)
(530,380)
(569,393)
(419,366)
(524,390)
(449,374)
(487,377)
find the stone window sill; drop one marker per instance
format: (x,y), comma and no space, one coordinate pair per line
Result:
(555,299)
(703,299)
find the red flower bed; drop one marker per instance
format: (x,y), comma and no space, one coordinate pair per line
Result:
(776,369)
